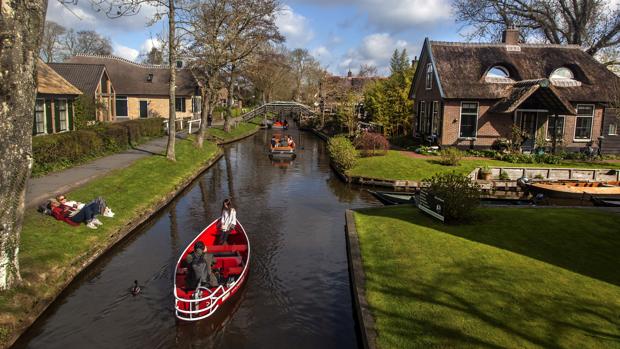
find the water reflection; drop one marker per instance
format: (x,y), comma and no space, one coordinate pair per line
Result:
(297,293)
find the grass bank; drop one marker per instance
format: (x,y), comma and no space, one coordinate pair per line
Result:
(397,165)
(53,252)
(551,280)
(243,129)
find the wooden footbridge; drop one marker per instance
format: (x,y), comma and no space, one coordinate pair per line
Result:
(281,109)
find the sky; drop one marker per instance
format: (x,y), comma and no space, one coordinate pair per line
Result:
(341,34)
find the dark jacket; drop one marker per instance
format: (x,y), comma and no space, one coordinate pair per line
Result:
(198,266)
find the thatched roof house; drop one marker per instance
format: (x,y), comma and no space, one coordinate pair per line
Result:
(470,94)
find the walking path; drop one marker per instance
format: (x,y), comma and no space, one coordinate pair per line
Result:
(45,187)
(41,188)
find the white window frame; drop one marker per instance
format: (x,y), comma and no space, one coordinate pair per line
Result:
(126,108)
(476,120)
(615,127)
(550,121)
(196,102)
(429,76)
(575,139)
(421,116)
(60,121)
(434,113)
(44,116)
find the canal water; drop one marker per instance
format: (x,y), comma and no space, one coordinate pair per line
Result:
(298,291)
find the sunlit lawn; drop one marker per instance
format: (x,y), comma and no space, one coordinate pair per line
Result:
(514,278)
(52,251)
(397,165)
(243,128)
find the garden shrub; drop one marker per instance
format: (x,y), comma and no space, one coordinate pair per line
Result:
(426,150)
(461,195)
(62,150)
(372,144)
(342,152)
(503,175)
(450,156)
(547,159)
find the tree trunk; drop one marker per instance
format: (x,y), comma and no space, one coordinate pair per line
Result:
(554,140)
(229,100)
(21,29)
(172,57)
(203,118)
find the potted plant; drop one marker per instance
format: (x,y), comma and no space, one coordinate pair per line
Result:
(485,173)
(541,143)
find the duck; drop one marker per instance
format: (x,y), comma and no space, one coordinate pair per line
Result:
(135,289)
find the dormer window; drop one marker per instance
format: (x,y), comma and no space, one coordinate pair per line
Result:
(562,73)
(149,78)
(498,72)
(429,76)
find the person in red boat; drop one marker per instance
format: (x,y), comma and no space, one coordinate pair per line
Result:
(199,264)
(228,221)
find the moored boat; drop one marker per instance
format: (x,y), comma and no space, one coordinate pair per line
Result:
(606,201)
(394,198)
(232,262)
(575,190)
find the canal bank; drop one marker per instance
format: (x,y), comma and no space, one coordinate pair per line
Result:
(53,253)
(549,281)
(298,290)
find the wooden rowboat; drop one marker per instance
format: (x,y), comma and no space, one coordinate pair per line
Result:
(393,198)
(232,261)
(606,201)
(575,190)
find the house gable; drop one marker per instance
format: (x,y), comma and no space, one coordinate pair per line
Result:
(418,83)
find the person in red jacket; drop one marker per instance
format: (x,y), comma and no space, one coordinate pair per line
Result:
(74,217)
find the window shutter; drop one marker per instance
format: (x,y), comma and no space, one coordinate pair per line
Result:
(70,114)
(48,115)
(34,121)
(56,116)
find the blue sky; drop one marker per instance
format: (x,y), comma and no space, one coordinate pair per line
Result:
(342,34)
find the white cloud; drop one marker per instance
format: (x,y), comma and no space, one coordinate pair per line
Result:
(375,49)
(294,27)
(126,52)
(148,44)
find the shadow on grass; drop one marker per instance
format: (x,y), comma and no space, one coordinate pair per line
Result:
(480,312)
(584,241)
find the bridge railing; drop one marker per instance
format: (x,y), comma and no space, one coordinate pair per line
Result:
(279,106)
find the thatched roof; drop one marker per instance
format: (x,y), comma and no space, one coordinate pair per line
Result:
(461,69)
(49,82)
(129,78)
(86,77)
(535,92)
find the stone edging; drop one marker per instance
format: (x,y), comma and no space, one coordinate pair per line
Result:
(365,319)
(115,238)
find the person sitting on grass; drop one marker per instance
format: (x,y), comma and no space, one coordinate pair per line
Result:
(74,216)
(99,205)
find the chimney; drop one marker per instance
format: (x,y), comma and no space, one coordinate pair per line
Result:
(349,74)
(414,62)
(511,36)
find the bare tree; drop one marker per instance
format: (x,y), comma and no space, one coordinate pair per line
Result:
(21,29)
(267,69)
(367,70)
(51,41)
(592,24)
(301,59)
(86,42)
(154,56)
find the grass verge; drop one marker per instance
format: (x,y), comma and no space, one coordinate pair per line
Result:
(242,129)
(549,280)
(396,165)
(53,252)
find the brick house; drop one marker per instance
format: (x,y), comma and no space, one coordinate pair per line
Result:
(470,94)
(53,111)
(141,90)
(93,80)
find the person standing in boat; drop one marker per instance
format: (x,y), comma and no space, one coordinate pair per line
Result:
(228,221)
(199,264)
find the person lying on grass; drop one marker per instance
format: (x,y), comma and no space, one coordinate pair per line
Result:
(101,207)
(74,216)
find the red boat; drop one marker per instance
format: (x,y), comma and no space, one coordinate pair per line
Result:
(232,262)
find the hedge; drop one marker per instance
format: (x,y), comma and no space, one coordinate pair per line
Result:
(63,150)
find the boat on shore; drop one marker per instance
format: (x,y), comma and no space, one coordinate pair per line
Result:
(232,262)
(606,201)
(574,189)
(393,197)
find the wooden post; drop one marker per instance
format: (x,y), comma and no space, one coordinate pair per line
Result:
(554,136)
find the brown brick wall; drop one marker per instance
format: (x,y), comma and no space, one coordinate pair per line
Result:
(422,94)
(157,107)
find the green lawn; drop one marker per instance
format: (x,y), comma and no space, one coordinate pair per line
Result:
(515,278)
(396,165)
(243,128)
(51,251)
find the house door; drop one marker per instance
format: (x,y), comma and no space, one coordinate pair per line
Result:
(144,109)
(528,124)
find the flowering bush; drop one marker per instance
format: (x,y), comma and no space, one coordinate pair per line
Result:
(372,144)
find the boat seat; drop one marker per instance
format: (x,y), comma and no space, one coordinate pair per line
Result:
(227,262)
(231,271)
(227,248)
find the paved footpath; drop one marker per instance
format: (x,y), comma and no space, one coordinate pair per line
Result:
(41,188)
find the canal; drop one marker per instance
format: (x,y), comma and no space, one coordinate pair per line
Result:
(298,292)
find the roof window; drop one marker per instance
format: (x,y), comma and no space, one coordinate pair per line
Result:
(562,73)
(149,78)
(498,72)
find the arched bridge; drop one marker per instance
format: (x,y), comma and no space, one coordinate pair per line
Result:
(300,112)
